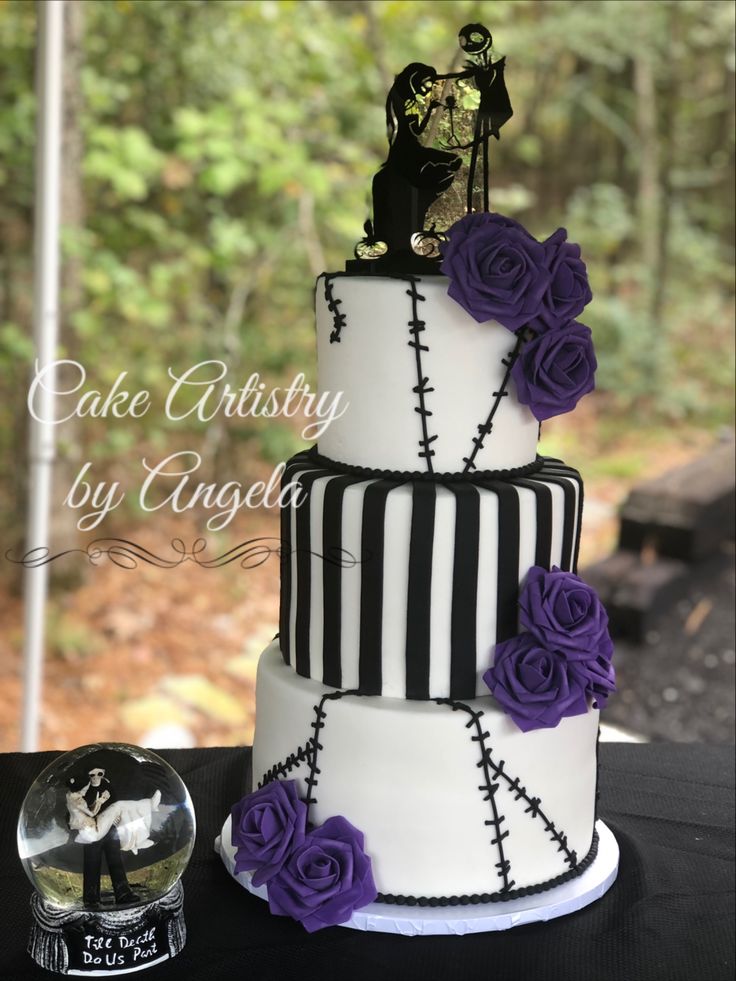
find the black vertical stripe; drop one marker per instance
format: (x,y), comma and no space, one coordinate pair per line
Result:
(371,586)
(332,579)
(285,563)
(567,560)
(303,571)
(464,591)
(419,590)
(579,527)
(507,594)
(543,505)
(558,468)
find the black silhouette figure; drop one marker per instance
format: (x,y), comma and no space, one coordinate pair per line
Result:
(495,106)
(100,789)
(413,176)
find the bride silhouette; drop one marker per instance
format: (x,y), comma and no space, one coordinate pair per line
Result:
(413,176)
(131,818)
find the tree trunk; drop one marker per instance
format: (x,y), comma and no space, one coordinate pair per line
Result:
(649,202)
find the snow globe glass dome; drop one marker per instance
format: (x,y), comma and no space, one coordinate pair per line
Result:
(106,827)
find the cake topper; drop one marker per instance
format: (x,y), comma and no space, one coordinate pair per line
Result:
(429,117)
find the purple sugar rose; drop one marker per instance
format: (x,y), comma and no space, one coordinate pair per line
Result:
(325,879)
(569,292)
(497,270)
(267,826)
(555,370)
(535,686)
(598,676)
(564,613)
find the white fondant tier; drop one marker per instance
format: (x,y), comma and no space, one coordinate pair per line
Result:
(403,587)
(420,375)
(454,800)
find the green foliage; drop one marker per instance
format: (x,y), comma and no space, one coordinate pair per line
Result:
(228,154)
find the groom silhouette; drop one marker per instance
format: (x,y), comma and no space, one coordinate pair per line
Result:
(100,789)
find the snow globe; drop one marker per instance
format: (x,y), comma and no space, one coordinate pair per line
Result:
(104,834)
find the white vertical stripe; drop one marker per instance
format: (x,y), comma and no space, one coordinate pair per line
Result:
(575,528)
(486,618)
(527,530)
(558,523)
(440,610)
(316,571)
(294,581)
(352,518)
(296,478)
(397,537)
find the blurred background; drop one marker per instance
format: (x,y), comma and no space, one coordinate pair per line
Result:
(218,156)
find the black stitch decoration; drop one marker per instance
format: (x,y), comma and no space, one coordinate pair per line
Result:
(312,456)
(333,305)
(497,770)
(422,387)
(281,769)
(493,773)
(495,897)
(485,428)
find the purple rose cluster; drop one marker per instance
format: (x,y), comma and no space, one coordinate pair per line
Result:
(498,271)
(561,658)
(317,876)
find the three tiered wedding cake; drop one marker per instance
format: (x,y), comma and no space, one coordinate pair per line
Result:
(427,717)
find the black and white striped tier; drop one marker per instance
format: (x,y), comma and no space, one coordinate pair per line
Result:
(400,586)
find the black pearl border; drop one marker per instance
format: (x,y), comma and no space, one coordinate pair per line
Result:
(478,899)
(478,475)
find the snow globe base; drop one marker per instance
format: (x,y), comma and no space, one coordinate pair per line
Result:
(107,942)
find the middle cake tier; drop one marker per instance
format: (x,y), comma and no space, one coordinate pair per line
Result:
(402,587)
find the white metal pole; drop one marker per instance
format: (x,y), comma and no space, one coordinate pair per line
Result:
(41,447)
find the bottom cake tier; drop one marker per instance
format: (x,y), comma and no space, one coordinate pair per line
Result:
(457,805)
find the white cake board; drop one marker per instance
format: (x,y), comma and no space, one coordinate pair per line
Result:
(425,921)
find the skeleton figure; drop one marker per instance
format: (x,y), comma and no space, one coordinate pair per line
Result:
(495,107)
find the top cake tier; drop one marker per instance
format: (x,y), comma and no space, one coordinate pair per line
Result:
(420,378)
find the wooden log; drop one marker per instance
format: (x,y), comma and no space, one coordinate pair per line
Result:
(686,513)
(637,591)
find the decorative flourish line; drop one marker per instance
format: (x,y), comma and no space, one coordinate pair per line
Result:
(484,428)
(422,387)
(333,305)
(513,784)
(127,554)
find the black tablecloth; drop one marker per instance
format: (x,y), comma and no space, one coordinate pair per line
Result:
(669,916)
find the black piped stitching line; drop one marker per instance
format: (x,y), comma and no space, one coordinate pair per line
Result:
(476,899)
(309,753)
(281,769)
(484,428)
(536,466)
(333,305)
(503,866)
(422,387)
(319,723)
(515,787)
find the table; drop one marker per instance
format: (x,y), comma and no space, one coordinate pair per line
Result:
(669,917)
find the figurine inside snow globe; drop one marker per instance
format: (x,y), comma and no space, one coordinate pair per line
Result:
(104,835)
